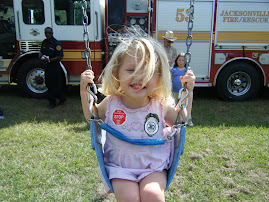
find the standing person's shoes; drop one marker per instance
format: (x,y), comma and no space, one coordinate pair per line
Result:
(190,123)
(62,101)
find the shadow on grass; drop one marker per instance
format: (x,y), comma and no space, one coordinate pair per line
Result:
(19,109)
(208,109)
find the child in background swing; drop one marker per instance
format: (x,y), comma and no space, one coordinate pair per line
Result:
(139,104)
(177,71)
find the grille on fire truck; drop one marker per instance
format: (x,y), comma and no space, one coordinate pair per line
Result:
(26,46)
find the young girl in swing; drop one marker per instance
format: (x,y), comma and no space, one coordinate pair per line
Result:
(137,86)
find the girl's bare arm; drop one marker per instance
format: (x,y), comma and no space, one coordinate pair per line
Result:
(86,78)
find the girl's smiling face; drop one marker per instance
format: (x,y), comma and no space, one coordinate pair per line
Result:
(135,94)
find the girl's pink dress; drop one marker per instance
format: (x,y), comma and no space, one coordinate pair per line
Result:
(131,162)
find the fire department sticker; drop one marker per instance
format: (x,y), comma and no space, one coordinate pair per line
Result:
(151,124)
(119,117)
(58,48)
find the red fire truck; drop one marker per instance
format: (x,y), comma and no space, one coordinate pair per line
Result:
(229,49)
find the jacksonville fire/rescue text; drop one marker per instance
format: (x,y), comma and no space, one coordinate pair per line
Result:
(245,16)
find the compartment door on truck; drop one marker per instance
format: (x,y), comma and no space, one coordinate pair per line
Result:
(173,15)
(242,23)
(32,17)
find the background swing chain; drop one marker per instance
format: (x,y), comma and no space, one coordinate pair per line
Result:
(87,54)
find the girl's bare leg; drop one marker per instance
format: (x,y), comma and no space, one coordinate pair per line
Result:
(126,190)
(153,186)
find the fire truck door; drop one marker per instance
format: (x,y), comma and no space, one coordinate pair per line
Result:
(31,17)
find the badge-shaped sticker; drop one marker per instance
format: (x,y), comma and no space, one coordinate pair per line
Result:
(152,124)
(58,48)
(119,117)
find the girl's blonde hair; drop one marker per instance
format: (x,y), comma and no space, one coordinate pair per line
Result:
(151,58)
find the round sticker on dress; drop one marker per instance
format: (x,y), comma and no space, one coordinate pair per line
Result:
(119,117)
(152,124)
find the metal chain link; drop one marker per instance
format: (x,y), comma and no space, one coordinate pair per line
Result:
(87,54)
(86,38)
(187,60)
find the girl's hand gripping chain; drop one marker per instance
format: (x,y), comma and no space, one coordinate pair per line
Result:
(86,78)
(189,80)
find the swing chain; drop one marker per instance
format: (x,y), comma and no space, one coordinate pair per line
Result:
(87,54)
(86,38)
(175,129)
(187,60)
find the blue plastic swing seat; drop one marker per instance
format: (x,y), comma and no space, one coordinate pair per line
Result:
(96,133)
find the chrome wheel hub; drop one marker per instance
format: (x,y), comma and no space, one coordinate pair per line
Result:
(35,81)
(239,83)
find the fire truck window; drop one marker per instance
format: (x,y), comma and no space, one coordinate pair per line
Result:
(69,12)
(116,10)
(33,12)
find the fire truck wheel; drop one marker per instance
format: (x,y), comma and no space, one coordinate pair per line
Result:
(31,79)
(238,82)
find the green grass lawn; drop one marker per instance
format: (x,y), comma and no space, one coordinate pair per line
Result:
(46,155)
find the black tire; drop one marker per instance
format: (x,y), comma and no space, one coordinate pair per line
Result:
(239,81)
(31,79)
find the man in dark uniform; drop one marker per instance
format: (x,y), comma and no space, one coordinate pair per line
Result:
(51,53)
